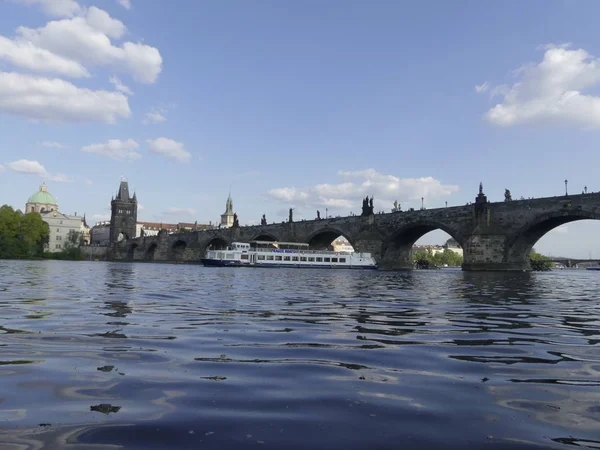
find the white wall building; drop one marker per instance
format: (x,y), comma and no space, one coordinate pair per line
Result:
(59,227)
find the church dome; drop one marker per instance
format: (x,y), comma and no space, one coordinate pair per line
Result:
(43,197)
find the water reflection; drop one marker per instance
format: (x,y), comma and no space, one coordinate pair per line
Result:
(164,356)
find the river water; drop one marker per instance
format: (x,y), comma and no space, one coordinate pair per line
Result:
(158,356)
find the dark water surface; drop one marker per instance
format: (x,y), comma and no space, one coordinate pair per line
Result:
(155,356)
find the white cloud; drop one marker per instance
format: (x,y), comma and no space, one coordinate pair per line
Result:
(56,8)
(119,86)
(140,207)
(56,100)
(354,186)
(169,148)
(27,166)
(115,149)
(125,3)
(480,88)
(35,168)
(1,168)
(51,144)
(26,55)
(86,39)
(153,117)
(187,211)
(551,91)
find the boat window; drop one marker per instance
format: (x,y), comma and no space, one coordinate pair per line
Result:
(229,256)
(303,258)
(277,258)
(270,258)
(319,259)
(294,258)
(334,260)
(327,259)
(286,258)
(311,259)
(342,260)
(244,256)
(220,255)
(261,257)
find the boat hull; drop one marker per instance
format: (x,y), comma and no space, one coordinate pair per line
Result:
(233,263)
(223,263)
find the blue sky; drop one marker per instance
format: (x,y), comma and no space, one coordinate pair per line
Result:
(310,104)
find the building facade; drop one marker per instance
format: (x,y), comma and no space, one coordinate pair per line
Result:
(100,233)
(123,216)
(61,227)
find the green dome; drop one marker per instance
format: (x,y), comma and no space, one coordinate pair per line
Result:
(43,197)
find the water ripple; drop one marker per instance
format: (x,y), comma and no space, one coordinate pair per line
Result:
(159,356)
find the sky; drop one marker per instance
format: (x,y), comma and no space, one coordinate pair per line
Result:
(311,105)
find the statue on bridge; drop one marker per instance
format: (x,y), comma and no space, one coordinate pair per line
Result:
(263,220)
(367,206)
(396,207)
(507,196)
(236,222)
(318,215)
(291,219)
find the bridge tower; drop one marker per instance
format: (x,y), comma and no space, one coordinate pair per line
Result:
(123,217)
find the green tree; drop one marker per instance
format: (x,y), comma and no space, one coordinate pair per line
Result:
(429,260)
(21,236)
(538,261)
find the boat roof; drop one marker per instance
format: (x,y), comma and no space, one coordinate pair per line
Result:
(279,243)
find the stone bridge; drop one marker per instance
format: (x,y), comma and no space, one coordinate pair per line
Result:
(494,236)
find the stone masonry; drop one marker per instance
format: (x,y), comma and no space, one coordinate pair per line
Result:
(494,236)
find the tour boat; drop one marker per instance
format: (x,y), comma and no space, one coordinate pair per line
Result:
(285,254)
(592,268)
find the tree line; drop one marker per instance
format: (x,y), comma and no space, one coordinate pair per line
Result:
(23,236)
(430,260)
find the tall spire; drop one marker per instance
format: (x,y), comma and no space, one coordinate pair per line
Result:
(229,205)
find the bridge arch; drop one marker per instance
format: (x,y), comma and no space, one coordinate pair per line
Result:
(150,252)
(397,249)
(520,244)
(265,236)
(322,238)
(178,249)
(131,250)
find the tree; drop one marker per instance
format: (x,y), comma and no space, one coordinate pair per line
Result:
(538,261)
(21,236)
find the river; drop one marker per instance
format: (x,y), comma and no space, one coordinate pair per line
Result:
(100,355)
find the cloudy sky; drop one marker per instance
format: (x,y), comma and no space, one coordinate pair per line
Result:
(311,105)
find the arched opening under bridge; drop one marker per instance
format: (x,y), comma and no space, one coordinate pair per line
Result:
(217,243)
(265,237)
(567,240)
(422,246)
(330,239)
(150,252)
(178,250)
(131,250)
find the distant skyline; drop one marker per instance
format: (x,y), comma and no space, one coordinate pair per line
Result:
(311,105)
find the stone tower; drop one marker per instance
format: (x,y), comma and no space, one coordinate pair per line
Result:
(227,216)
(123,216)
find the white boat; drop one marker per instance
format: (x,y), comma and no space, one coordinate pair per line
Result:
(286,254)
